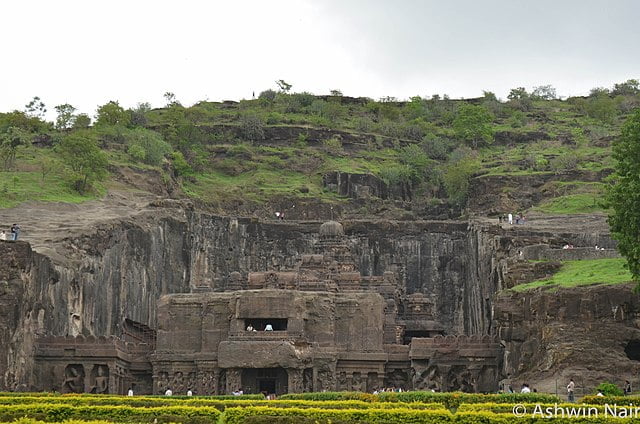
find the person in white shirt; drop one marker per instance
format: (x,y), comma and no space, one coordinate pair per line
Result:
(130,392)
(168,393)
(189,392)
(268,327)
(525,389)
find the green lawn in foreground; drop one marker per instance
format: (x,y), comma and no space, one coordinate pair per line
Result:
(582,273)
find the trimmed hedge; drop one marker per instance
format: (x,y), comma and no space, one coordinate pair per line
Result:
(449,400)
(322,416)
(455,399)
(365,397)
(57,413)
(262,415)
(507,408)
(611,400)
(221,405)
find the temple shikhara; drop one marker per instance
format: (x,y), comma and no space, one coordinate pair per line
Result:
(320,326)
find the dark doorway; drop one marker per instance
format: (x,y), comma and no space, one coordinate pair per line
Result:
(267,386)
(632,349)
(261,380)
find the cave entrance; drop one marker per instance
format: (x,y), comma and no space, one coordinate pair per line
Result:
(632,350)
(265,380)
(267,385)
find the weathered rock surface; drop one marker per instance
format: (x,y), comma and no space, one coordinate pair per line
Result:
(590,334)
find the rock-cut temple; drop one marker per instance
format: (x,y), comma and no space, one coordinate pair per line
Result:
(320,326)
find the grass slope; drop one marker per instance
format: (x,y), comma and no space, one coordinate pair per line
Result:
(583,273)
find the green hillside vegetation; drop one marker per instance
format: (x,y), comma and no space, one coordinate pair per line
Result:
(583,273)
(281,144)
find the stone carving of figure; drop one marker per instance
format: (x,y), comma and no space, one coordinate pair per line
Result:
(73,379)
(163,382)
(295,380)
(102,380)
(178,383)
(208,383)
(307,380)
(326,378)
(356,382)
(234,382)
(342,381)
(271,281)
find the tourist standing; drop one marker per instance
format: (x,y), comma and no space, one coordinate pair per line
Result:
(570,389)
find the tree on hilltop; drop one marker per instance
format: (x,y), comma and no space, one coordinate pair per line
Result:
(36,108)
(112,113)
(284,86)
(65,116)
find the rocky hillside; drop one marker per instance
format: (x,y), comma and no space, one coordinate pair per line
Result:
(188,195)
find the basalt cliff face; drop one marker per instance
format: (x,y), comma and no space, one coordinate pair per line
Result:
(88,285)
(590,334)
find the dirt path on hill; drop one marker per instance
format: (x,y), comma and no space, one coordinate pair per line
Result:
(583,223)
(42,224)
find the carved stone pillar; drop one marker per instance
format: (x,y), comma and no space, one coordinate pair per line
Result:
(295,380)
(234,380)
(349,385)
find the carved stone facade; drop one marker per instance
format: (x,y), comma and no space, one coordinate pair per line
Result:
(320,326)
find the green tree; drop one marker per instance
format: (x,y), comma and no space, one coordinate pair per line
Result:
(147,146)
(139,114)
(112,113)
(623,196)
(86,162)
(36,108)
(473,124)
(171,99)
(284,86)
(81,121)
(629,87)
(10,141)
(457,174)
(544,92)
(519,99)
(602,107)
(65,116)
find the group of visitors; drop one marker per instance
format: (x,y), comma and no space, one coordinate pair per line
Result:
(13,234)
(267,327)
(388,389)
(509,218)
(169,392)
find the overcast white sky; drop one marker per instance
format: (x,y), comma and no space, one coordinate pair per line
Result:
(87,52)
